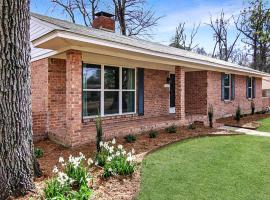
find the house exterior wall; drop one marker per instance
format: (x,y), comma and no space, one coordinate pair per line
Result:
(57,102)
(57,99)
(56,88)
(196,92)
(156,96)
(226,108)
(156,103)
(39,90)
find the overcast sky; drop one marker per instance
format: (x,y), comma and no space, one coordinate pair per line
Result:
(174,11)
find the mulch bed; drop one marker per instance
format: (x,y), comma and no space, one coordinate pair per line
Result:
(246,121)
(114,187)
(53,151)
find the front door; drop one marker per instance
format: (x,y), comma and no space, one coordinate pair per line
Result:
(172,93)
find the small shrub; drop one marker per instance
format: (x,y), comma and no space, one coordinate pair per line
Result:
(238,114)
(130,138)
(102,155)
(72,182)
(117,162)
(75,170)
(192,126)
(119,165)
(171,129)
(252,105)
(38,152)
(84,193)
(99,132)
(54,189)
(210,115)
(153,134)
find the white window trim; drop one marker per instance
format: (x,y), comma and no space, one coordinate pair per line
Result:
(230,80)
(250,87)
(120,90)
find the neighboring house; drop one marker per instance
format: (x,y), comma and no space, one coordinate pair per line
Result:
(136,85)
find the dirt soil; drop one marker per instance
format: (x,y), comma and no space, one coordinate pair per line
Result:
(123,188)
(247,121)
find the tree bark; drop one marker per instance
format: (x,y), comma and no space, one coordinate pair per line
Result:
(16,144)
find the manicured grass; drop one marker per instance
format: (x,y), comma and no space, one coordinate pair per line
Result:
(265,125)
(218,168)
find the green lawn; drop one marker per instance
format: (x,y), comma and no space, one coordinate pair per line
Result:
(211,168)
(265,125)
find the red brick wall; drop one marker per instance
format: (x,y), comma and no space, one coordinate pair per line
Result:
(39,88)
(196,92)
(156,103)
(180,93)
(156,96)
(57,98)
(222,108)
(266,102)
(104,22)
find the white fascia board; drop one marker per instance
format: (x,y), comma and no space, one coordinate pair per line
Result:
(107,43)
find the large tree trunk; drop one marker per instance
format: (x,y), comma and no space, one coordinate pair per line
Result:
(16,145)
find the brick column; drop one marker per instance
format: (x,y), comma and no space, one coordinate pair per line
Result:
(180,93)
(73,97)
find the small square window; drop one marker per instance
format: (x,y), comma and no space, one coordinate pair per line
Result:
(128,101)
(111,77)
(128,78)
(91,76)
(111,102)
(91,103)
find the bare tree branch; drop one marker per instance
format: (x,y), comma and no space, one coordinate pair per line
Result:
(220,28)
(180,38)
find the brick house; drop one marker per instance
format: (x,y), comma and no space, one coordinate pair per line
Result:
(135,85)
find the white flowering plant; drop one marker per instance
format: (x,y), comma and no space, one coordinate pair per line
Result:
(115,160)
(72,181)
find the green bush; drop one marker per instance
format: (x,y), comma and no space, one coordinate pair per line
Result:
(84,193)
(153,134)
(101,157)
(75,170)
(171,129)
(192,126)
(130,138)
(119,165)
(72,182)
(99,130)
(55,190)
(238,114)
(115,160)
(38,152)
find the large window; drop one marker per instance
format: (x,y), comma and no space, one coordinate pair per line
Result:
(227,87)
(249,87)
(108,90)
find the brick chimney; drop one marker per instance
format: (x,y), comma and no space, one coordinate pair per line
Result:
(104,21)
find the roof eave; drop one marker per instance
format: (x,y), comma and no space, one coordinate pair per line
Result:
(67,35)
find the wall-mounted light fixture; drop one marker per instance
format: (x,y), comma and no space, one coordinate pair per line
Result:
(167,85)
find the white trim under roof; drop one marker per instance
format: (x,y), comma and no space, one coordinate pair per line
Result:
(69,38)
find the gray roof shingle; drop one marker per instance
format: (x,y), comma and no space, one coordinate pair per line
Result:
(114,37)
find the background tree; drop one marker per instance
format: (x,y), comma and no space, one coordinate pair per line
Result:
(85,8)
(181,40)
(200,50)
(16,145)
(223,49)
(254,23)
(133,16)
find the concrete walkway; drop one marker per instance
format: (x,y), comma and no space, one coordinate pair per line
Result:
(246,131)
